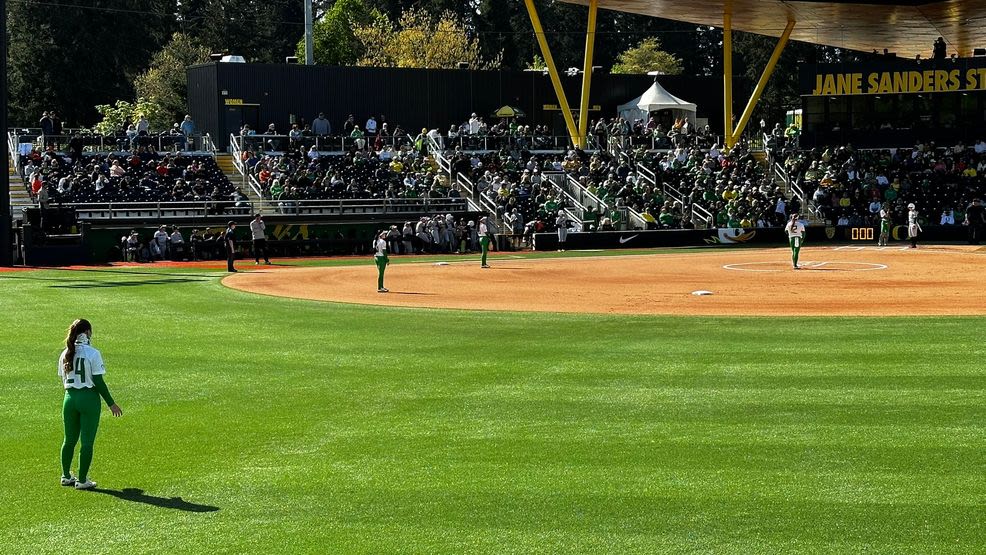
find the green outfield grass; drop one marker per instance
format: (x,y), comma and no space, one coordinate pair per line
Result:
(329,428)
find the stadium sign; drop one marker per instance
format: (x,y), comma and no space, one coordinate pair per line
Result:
(912,77)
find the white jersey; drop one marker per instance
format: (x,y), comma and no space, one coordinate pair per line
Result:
(483,230)
(381,246)
(87,363)
(257,230)
(795,229)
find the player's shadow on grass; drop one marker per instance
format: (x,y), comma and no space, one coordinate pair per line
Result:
(138,496)
(138,283)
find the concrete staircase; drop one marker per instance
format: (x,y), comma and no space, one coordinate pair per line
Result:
(19,197)
(225,163)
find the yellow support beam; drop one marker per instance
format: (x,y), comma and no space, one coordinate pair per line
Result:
(762,83)
(552,71)
(590,41)
(727,78)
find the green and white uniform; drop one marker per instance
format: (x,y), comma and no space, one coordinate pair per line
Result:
(795,235)
(380,257)
(884,227)
(84,386)
(484,240)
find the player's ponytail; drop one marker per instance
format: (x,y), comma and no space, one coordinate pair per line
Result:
(77,328)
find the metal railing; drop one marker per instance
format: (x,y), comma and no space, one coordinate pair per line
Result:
(703,215)
(225,209)
(324,144)
(91,142)
(586,197)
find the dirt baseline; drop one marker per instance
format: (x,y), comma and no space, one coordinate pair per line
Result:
(857,281)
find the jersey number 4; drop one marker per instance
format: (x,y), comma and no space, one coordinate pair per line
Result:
(80,370)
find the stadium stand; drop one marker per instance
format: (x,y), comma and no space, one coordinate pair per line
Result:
(851,186)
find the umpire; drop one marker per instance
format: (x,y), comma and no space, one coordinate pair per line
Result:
(975,219)
(258,233)
(230,243)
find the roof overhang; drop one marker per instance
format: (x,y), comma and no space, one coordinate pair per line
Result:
(907,27)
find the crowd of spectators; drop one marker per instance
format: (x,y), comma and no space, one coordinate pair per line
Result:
(141,176)
(733,188)
(679,133)
(849,186)
(360,174)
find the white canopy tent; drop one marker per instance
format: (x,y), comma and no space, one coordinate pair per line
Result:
(655,99)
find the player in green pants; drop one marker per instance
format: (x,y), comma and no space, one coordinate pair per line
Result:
(795,234)
(381,259)
(484,240)
(884,226)
(81,370)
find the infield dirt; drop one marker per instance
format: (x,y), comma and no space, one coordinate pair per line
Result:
(851,281)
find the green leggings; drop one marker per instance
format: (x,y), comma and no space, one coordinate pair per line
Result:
(484,243)
(795,249)
(80,412)
(381,266)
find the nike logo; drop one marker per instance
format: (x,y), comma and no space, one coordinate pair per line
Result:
(625,239)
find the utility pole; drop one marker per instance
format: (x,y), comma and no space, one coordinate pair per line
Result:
(309,41)
(6,244)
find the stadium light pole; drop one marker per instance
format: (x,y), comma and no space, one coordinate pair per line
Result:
(309,40)
(6,245)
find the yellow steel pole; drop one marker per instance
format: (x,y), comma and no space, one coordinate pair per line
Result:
(762,83)
(552,71)
(727,78)
(590,42)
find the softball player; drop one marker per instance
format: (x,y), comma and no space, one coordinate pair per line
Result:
(484,240)
(81,370)
(913,227)
(795,235)
(380,257)
(884,226)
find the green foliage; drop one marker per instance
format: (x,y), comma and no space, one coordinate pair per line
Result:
(120,115)
(263,31)
(647,57)
(552,433)
(537,62)
(420,40)
(72,55)
(164,82)
(333,38)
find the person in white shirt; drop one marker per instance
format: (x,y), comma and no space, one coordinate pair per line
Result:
(885,221)
(484,240)
(562,223)
(81,370)
(177,243)
(371,126)
(161,241)
(795,235)
(913,227)
(258,234)
(380,259)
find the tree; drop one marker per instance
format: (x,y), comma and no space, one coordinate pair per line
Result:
(335,43)
(79,54)
(420,40)
(164,82)
(645,58)
(262,31)
(120,115)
